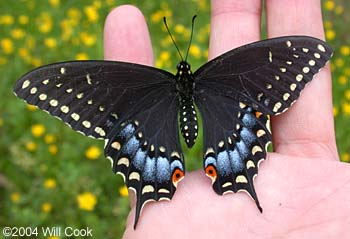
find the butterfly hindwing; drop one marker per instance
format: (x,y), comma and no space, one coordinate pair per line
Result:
(269,75)
(147,153)
(235,141)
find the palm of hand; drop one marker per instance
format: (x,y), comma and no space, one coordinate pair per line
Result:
(302,187)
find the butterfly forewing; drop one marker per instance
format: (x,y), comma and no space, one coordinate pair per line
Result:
(87,94)
(267,75)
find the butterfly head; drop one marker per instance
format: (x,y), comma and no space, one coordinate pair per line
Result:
(183,68)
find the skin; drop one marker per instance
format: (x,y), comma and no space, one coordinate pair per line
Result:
(302,187)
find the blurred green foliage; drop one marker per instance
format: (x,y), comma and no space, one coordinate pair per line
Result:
(52,176)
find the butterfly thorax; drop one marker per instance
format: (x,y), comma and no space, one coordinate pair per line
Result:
(188,116)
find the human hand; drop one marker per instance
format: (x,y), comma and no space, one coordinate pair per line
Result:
(302,186)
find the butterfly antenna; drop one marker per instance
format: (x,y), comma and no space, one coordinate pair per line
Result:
(189,44)
(167,28)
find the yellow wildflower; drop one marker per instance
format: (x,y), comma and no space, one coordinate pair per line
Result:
(339,10)
(6,19)
(36,62)
(202,4)
(345,157)
(30,146)
(91,13)
(347,71)
(7,45)
(54,3)
(166,41)
(1,122)
(53,238)
(87,38)
(339,62)
(93,152)
(31,107)
(97,4)
(44,22)
(50,42)
(86,201)
(74,14)
(328,24)
(110,2)
(46,207)
(329,5)
(17,33)
(157,16)
(23,19)
(50,183)
(347,94)
(123,191)
(330,35)
(23,52)
(164,56)
(53,149)
(335,111)
(166,11)
(3,61)
(206,54)
(345,50)
(195,51)
(30,42)
(82,56)
(343,80)
(50,138)
(179,28)
(38,130)
(159,63)
(346,108)
(15,197)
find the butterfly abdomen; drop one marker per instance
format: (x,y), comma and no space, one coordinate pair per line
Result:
(188,121)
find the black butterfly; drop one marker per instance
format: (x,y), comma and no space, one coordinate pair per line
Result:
(135,109)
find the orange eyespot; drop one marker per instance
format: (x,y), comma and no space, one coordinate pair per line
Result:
(178,175)
(258,114)
(210,171)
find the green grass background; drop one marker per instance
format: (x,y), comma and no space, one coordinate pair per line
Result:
(34,33)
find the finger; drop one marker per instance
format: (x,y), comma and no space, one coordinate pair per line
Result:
(307,128)
(233,23)
(126,36)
